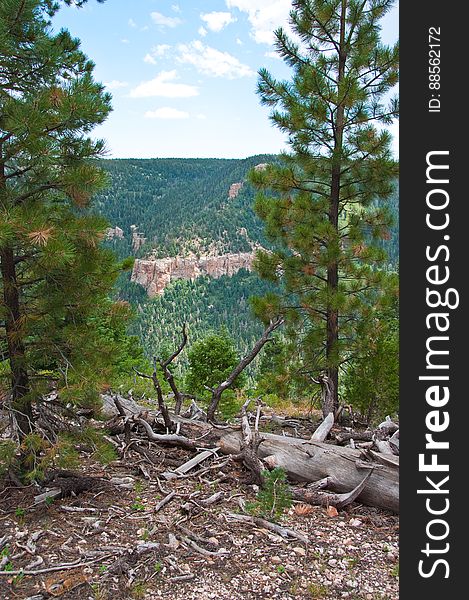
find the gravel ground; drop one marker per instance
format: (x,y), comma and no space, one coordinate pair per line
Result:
(352,554)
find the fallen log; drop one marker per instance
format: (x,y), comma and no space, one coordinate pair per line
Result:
(306,460)
(303,460)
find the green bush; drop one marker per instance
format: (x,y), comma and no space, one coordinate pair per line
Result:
(274,497)
(211,360)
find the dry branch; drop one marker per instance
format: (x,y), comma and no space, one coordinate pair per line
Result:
(249,455)
(324,428)
(169,438)
(168,423)
(284,532)
(165,501)
(178,396)
(246,361)
(190,464)
(319,498)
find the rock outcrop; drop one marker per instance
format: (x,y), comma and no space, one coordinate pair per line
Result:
(234,190)
(114,232)
(154,274)
(138,238)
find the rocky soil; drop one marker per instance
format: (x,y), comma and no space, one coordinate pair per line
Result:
(119,541)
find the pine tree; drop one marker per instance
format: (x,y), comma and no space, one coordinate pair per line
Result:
(55,276)
(320,203)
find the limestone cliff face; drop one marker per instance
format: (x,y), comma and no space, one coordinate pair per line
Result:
(155,274)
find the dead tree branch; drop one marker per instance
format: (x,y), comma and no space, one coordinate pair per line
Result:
(178,396)
(168,423)
(218,391)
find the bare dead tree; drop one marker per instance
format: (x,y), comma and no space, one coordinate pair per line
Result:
(218,391)
(249,454)
(327,393)
(178,396)
(168,423)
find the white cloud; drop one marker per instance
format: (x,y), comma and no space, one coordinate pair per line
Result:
(273,55)
(239,42)
(156,52)
(212,62)
(160,19)
(202,31)
(132,23)
(176,8)
(115,84)
(201,117)
(216,21)
(125,41)
(162,85)
(264,16)
(166,112)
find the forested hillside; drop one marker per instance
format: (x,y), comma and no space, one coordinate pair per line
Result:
(183,206)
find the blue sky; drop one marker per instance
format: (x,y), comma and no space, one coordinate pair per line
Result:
(183,73)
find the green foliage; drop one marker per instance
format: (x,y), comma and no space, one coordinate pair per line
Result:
(230,404)
(157,567)
(181,205)
(41,455)
(274,498)
(138,505)
(371,382)
(281,373)
(8,457)
(211,360)
(204,304)
(91,440)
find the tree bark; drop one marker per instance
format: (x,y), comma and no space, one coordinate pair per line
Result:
(20,386)
(332,314)
(310,461)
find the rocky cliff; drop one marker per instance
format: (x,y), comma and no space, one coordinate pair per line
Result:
(155,274)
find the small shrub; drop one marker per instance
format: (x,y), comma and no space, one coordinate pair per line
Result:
(274,497)
(7,456)
(138,505)
(20,514)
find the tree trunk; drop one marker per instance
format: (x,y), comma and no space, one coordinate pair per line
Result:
(305,460)
(20,388)
(332,314)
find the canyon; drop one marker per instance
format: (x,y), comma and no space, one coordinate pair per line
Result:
(155,274)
